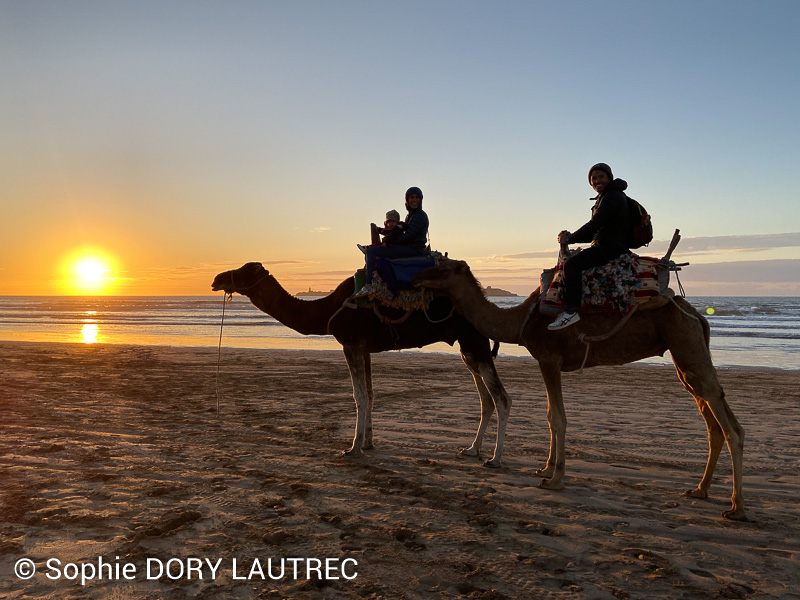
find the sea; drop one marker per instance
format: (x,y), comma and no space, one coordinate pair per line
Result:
(745,331)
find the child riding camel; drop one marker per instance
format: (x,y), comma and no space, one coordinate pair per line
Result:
(413,240)
(391,231)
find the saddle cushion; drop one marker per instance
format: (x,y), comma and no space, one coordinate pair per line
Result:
(398,273)
(416,299)
(614,287)
(391,282)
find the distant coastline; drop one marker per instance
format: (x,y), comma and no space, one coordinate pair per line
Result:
(311,292)
(495,292)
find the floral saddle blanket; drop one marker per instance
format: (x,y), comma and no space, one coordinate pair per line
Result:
(613,288)
(391,282)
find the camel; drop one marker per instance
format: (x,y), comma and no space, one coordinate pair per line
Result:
(361,332)
(675,326)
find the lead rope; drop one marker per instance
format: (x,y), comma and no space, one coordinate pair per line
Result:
(588,339)
(450,314)
(225,299)
(345,304)
(690,315)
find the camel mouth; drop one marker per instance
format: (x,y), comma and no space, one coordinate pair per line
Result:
(220,283)
(241,279)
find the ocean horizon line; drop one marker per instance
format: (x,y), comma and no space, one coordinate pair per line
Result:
(323,294)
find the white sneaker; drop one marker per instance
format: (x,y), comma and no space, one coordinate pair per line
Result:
(563,320)
(362,248)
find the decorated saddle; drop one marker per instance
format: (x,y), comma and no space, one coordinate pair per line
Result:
(391,282)
(615,287)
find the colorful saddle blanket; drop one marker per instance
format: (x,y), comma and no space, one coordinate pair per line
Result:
(614,287)
(391,282)
(405,299)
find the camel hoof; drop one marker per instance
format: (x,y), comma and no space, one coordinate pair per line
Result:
(698,493)
(547,484)
(469,452)
(493,464)
(352,453)
(735,515)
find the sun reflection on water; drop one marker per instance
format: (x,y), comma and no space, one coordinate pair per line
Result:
(89,332)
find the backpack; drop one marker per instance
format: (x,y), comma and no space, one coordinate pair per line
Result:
(640,229)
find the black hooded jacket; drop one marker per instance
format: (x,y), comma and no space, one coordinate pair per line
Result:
(415,234)
(609,223)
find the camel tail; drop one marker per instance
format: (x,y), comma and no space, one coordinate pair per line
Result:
(495,349)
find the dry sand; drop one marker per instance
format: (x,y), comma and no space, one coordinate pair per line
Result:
(117,451)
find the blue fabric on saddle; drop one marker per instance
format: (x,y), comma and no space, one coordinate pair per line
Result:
(398,273)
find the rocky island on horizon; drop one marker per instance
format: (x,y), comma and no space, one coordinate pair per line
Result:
(494,292)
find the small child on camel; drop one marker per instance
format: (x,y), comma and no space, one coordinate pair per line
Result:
(392,229)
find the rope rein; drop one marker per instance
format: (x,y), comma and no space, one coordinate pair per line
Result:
(450,314)
(589,339)
(249,287)
(225,300)
(386,320)
(345,304)
(672,299)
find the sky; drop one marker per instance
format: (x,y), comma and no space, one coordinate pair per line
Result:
(172,140)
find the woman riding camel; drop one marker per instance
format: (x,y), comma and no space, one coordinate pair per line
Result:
(608,232)
(413,241)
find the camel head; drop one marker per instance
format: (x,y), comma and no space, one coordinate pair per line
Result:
(447,275)
(239,280)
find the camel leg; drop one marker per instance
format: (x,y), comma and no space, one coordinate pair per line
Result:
(355,356)
(493,395)
(700,379)
(553,473)
(371,395)
(487,410)
(716,439)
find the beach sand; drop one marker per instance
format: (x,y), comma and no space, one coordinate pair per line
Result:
(117,451)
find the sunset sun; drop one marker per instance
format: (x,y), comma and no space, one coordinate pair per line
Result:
(88,271)
(91,271)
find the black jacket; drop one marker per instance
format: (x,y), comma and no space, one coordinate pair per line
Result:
(390,236)
(609,223)
(416,234)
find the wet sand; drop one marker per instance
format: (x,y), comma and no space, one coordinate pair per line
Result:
(118,452)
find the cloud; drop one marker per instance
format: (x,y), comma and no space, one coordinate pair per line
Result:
(320,229)
(330,274)
(541,254)
(762,271)
(163,274)
(696,245)
(736,278)
(739,243)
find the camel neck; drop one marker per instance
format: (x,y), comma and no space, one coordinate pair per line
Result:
(308,317)
(496,323)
